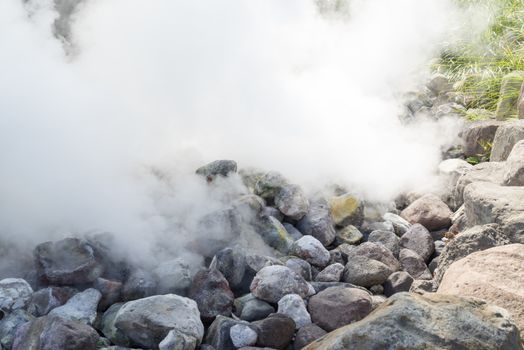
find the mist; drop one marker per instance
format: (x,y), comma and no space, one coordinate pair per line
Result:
(136,85)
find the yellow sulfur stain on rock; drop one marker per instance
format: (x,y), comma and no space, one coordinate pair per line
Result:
(343,207)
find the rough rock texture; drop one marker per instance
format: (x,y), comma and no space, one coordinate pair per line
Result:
(273,282)
(276,331)
(15,293)
(81,307)
(46,299)
(349,235)
(301,267)
(338,306)
(269,184)
(484,172)
(10,324)
(176,340)
(139,284)
(255,310)
(111,292)
(495,275)
(332,273)
(365,272)
(505,138)
(399,281)
(293,306)
(311,250)
(219,333)
(413,264)
(172,277)
(450,170)
(509,94)
(419,240)
(69,261)
(376,252)
(400,225)
(389,239)
(429,211)
(308,334)
(347,210)
(211,292)
(242,335)
(318,223)
(292,202)
(416,322)
(218,167)
(274,234)
(514,174)
(477,133)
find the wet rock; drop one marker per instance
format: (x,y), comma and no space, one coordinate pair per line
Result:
(349,235)
(365,272)
(387,239)
(276,331)
(15,293)
(400,225)
(53,332)
(292,202)
(332,273)
(413,264)
(311,249)
(430,212)
(293,306)
(318,223)
(399,281)
(219,333)
(484,172)
(146,322)
(172,277)
(242,335)
(346,210)
(69,261)
(110,290)
(232,264)
(269,185)
(477,134)
(419,240)
(410,321)
(211,292)
(300,267)
(308,334)
(46,299)
(255,310)
(338,306)
(139,284)
(274,234)
(10,324)
(218,167)
(506,137)
(80,307)
(273,282)
(514,174)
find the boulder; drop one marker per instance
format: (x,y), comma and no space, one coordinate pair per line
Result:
(506,137)
(484,172)
(301,267)
(509,95)
(311,250)
(216,168)
(275,332)
(400,225)
(80,307)
(293,306)
(46,299)
(429,211)
(318,223)
(69,261)
(365,272)
(273,282)
(274,234)
(242,335)
(111,292)
(413,264)
(172,277)
(431,321)
(348,235)
(495,275)
(211,292)
(219,333)
(376,252)
(139,284)
(292,202)
(397,282)
(514,174)
(269,185)
(332,273)
(346,210)
(15,293)
(419,240)
(477,134)
(308,334)
(388,239)
(338,306)
(10,324)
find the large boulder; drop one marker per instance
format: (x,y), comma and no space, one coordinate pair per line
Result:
(509,94)
(172,277)
(506,137)
(477,134)
(146,322)
(484,172)
(292,202)
(514,174)
(429,211)
(431,321)
(69,261)
(495,275)
(211,292)
(15,293)
(273,282)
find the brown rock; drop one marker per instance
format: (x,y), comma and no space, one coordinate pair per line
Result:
(429,211)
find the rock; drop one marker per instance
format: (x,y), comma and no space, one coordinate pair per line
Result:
(430,212)
(81,307)
(495,275)
(308,334)
(255,310)
(146,322)
(274,234)
(506,137)
(140,284)
(219,333)
(387,239)
(348,235)
(320,286)
(338,306)
(400,225)
(439,84)
(365,272)
(376,252)
(332,273)
(311,249)
(300,267)
(219,227)
(410,321)
(336,257)
(423,287)
(110,290)
(509,94)
(46,299)
(216,168)
(10,324)
(419,240)
(172,277)
(276,331)
(399,281)
(318,223)
(376,289)
(292,231)
(232,264)
(513,228)
(450,171)
(273,282)
(477,134)
(433,264)
(484,172)
(15,294)
(413,264)
(242,335)
(292,202)
(293,306)
(347,210)
(514,174)
(53,332)
(69,261)
(377,226)
(176,340)
(472,240)
(211,292)
(377,300)
(269,185)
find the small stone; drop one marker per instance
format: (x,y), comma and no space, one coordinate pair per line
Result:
(255,310)
(274,234)
(293,232)
(332,273)
(400,225)
(219,333)
(349,235)
(413,264)
(293,306)
(311,249)
(429,211)
(387,239)
(301,267)
(419,240)
(376,252)
(399,281)
(242,335)
(365,272)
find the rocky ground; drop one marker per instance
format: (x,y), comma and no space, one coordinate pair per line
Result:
(435,270)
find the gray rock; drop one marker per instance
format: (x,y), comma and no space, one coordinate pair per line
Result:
(433,264)
(300,267)
(255,310)
(430,212)
(212,294)
(242,335)
(176,340)
(293,306)
(276,331)
(476,134)
(311,249)
(146,322)
(365,272)
(139,284)
(376,289)
(413,264)
(399,281)
(10,324)
(349,235)
(514,174)
(308,334)
(450,171)
(513,228)
(377,226)
(81,307)
(509,94)
(484,172)
(318,223)
(347,209)
(419,240)
(293,232)
(377,300)
(69,261)
(423,287)
(15,293)
(332,273)
(219,333)
(400,224)
(274,234)
(410,321)
(506,137)
(439,84)
(273,282)
(338,306)
(218,167)
(388,239)
(232,264)
(269,185)
(53,333)
(376,252)
(111,292)
(172,277)
(320,286)
(292,202)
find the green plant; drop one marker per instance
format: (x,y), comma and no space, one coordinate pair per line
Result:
(481,157)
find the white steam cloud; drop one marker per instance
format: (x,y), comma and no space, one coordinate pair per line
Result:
(175,84)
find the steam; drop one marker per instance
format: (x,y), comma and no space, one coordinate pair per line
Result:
(92,102)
